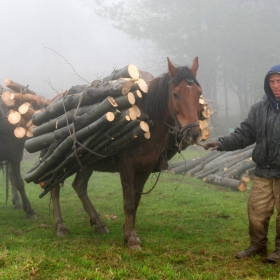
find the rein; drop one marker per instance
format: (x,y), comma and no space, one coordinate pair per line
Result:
(177,130)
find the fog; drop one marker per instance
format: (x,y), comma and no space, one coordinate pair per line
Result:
(53,45)
(45,42)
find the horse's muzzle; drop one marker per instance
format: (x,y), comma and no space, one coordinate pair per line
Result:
(191,135)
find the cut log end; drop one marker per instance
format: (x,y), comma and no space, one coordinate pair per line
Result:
(132,113)
(137,110)
(19,132)
(133,71)
(110,116)
(142,85)
(131,98)
(126,87)
(144,126)
(6,97)
(112,101)
(14,117)
(242,186)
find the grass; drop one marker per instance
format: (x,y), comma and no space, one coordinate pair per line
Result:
(189,230)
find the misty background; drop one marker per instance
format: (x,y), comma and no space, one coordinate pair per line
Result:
(45,42)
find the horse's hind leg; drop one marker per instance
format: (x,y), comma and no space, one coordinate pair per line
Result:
(60,228)
(80,185)
(17,182)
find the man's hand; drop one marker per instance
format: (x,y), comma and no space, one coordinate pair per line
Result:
(213,145)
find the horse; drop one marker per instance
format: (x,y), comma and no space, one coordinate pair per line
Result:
(172,102)
(11,154)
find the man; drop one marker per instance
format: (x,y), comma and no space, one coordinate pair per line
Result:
(262,127)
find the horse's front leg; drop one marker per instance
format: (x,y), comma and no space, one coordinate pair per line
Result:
(60,228)
(132,185)
(18,183)
(80,185)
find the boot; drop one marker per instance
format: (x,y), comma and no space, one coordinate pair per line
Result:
(274,256)
(252,251)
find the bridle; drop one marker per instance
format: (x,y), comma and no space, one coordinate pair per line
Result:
(177,130)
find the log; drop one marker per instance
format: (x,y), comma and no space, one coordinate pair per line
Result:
(91,158)
(58,154)
(39,143)
(211,156)
(139,84)
(26,110)
(227,158)
(236,170)
(186,166)
(29,134)
(19,132)
(17,87)
(6,97)
(129,71)
(88,96)
(226,182)
(107,105)
(62,120)
(14,117)
(27,97)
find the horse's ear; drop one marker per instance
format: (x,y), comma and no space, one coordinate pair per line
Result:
(172,71)
(195,65)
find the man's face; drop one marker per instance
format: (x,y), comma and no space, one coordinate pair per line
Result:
(274,82)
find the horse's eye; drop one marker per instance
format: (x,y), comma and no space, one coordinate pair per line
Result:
(176,95)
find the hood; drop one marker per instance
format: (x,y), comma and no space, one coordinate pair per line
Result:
(274,69)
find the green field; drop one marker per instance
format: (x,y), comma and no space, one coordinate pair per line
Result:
(189,230)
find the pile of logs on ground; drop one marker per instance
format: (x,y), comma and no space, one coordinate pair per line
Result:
(230,169)
(22,103)
(90,122)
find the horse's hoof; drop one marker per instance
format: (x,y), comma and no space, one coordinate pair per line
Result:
(32,216)
(135,247)
(62,232)
(17,206)
(102,230)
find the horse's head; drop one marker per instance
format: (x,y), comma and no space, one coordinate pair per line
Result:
(184,93)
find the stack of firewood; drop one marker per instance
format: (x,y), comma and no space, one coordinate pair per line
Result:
(231,169)
(22,103)
(88,123)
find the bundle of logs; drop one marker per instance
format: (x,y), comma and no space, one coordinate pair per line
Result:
(91,122)
(22,103)
(230,169)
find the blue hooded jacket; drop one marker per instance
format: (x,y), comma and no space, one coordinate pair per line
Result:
(262,128)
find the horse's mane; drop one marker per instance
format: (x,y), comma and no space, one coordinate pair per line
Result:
(158,94)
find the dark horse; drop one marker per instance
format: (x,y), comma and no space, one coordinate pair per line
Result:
(172,102)
(11,153)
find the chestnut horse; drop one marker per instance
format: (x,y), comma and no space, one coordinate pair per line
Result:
(172,102)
